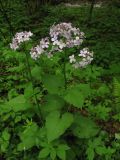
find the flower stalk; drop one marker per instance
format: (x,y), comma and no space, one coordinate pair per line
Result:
(31,79)
(64,70)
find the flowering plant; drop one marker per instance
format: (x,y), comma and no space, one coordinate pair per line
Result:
(52,92)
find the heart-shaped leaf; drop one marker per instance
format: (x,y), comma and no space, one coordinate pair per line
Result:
(57,125)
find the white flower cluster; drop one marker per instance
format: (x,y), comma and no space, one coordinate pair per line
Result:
(86,56)
(40,48)
(61,35)
(65,35)
(19,38)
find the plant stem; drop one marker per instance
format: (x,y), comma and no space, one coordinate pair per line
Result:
(31,79)
(64,70)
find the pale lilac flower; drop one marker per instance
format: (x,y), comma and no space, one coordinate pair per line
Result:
(72,58)
(14,45)
(44,43)
(86,58)
(85,53)
(66,34)
(19,38)
(61,45)
(37,51)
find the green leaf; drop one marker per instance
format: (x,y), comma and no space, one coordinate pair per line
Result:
(28,91)
(101,111)
(90,153)
(53,153)
(64,147)
(84,127)
(52,103)
(18,103)
(5,135)
(4,146)
(75,97)
(61,153)
(53,83)
(44,153)
(103,150)
(117,136)
(85,89)
(28,137)
(36,72)
(104,89)
(57,125)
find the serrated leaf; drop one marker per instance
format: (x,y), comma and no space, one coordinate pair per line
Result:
(56,126)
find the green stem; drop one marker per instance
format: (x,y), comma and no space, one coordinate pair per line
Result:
(31,79)
(64,71)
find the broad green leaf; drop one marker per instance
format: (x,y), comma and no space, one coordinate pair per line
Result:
(53,83)
(75,97)
(4,146)
(18,103)
(84,88)
(64,147)
(44,153)
(52,103)
(5,135)
(28,91)
(57,125)
(28,137)
(53,153)
(117,136)
(12,93)
(61,153)
(36,72)
(84,127)
(104,89)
